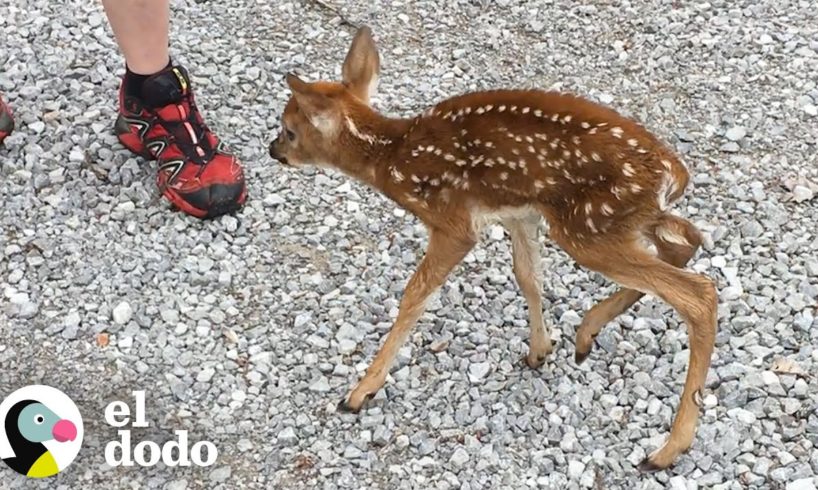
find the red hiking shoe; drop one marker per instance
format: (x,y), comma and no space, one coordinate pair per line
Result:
(6,121)
(197,172)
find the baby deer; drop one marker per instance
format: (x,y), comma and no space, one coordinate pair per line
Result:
(602,182)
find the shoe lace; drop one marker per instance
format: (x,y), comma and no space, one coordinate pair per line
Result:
(186,130)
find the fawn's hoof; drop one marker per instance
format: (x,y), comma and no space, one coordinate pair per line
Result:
(345,406)
(648,466)
(535,362)
(580,357)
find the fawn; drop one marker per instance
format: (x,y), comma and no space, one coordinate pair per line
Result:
(602,182)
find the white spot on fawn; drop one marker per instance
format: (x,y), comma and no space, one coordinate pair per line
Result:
(538,113)
(430,149)
(526,110)
(369,138)
(628,170)
(617,131)
(502,108)
(591,225)
(503,175)
(397,175)
(668,187)
(595,156)
(633,142)
(585,125)
(670,236)
(607,210)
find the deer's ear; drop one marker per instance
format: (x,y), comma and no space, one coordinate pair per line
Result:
(362,65)
(296,84)
(320,109)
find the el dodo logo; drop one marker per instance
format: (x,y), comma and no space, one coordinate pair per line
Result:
(41,431)
(148,453)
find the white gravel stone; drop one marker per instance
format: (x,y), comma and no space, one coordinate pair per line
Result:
(321,385)
(478,371)
(736,133)
(575,469)
(802,193)
(122,313)
(459,458)
(802,484)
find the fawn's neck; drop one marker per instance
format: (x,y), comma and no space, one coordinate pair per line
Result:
(371,141)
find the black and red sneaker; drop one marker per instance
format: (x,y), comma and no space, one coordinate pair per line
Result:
(6,121)
(197,172)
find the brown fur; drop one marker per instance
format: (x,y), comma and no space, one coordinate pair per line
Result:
(602,181)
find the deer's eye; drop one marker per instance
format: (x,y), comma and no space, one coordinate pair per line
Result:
(290,135)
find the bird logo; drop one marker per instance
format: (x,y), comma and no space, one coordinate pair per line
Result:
(41,431)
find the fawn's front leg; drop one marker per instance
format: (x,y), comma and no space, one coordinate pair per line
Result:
(443,253)
(526,255)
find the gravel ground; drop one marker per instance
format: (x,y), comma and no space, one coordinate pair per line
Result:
(248,330)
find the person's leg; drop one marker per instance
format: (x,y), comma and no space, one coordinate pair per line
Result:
(158,118)
(141,29)
(6,121)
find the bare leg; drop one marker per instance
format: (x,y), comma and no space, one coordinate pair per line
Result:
(526,252)
(442,255)
(141,29)
(676,240)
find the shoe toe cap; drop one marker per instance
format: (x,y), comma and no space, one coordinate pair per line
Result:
(218,199)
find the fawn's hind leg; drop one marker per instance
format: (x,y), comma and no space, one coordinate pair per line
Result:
(676,241)
(527,269)
(626,261)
